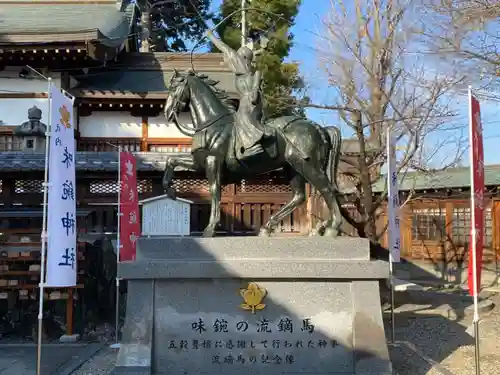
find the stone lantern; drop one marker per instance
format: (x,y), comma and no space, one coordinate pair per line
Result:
(32,132)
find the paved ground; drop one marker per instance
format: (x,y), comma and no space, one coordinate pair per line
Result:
(101,364)
(56,359)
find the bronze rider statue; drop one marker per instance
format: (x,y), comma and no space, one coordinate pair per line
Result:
(249,128)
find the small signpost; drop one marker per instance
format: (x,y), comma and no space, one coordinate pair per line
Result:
(163,216)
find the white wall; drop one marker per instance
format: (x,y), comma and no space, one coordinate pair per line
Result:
(159,128)
(110,125)
(14,111)
(123,125)
(10,80)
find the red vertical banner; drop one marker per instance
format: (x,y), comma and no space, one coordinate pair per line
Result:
(129,207)
(477,194)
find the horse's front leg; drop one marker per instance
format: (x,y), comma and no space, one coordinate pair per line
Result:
(213,170)
(170,165)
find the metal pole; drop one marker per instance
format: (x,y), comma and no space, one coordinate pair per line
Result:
(393,320)
(391,231)
(243,23)
(118,246)
(44,236)
(476,347)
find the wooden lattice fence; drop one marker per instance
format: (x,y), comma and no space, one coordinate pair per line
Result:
(245,206)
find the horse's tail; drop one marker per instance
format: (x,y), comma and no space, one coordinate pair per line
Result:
(333,157)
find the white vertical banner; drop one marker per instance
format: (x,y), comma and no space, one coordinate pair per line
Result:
(61,226)
(394,232)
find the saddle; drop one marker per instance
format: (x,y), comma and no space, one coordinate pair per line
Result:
(267,145)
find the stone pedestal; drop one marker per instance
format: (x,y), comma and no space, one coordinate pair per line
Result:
(252,305)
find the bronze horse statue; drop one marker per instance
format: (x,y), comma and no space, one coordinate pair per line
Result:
(306,151)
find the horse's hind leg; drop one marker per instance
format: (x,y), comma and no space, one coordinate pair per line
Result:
(298,184)
(315,175)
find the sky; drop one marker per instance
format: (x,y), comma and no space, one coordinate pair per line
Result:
(307,30)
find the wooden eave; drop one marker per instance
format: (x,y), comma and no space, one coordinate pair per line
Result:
(168,61)
(64,42)
(43,47)
(24,95)
(89,96)
(31,38)
(98,28)
(114,95)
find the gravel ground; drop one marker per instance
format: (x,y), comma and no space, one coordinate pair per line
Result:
(446,342)
(432,339)
(461,361)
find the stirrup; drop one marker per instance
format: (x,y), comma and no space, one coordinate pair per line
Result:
(254,150)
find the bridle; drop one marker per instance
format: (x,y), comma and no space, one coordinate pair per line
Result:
(210,123)
(184,104)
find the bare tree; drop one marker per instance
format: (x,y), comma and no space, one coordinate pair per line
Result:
(363,51)
(468,29)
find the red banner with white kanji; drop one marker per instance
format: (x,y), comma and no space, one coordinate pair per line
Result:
(129,207)
(477,194)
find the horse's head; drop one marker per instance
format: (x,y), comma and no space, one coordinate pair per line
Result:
(178,95)
(207,104)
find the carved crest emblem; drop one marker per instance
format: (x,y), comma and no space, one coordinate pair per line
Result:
(253,295)
(65,117)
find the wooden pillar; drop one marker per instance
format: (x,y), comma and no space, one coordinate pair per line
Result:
(144,136)
(384,218)
(306,220)
(230,210)
(449,218)
(405,230)
(77,127)
(448,230)
(8,191)
(82,190)
(495,213)
(65,80)
(69,312)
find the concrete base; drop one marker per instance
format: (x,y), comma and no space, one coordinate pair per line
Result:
(252,305)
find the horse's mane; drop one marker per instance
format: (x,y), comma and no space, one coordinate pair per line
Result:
(219,93)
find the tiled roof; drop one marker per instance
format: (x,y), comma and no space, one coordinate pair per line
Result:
(143,84)
(87,161)
(24,21)
(34,212)
(448,179)
(147,75)
(203,62)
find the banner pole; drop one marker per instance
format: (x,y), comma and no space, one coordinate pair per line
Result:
(389,234)
(118,247)
(44,234)
(393,315)
(473,241)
